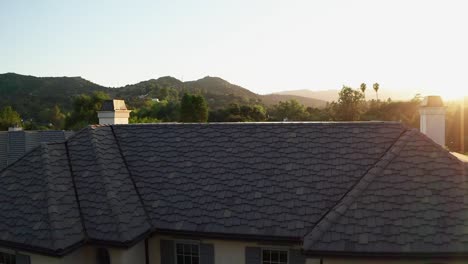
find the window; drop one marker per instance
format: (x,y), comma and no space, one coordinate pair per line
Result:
(7,258)
(187,253)
(272,256)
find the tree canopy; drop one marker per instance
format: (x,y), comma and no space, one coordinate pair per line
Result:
(85,109)
(9,118)
(350,105)
(193,109)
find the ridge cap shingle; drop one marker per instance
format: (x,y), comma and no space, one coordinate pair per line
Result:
(46,168)
(130,176)
(112,206)
(315,123)
(346,201)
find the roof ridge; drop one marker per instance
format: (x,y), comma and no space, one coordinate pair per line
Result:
(259,123)
(345,202)
(45,160)
(72,175)
(109,200)
(439,147)
(148,218)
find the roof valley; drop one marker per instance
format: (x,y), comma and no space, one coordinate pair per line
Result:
(348,198)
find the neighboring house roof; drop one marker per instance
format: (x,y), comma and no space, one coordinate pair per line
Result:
(14,144)
(371,187)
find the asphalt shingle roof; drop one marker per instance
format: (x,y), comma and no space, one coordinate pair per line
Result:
(14,144)
(348,187)
(414,200)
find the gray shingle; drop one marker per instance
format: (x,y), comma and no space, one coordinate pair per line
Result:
(171,161)
(413,205)
(380,189)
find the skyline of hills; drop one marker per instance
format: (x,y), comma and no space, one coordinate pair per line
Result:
(29,95)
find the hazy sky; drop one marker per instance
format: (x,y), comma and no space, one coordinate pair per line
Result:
(264,45)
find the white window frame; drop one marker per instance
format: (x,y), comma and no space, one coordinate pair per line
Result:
(288,253)
(186,242)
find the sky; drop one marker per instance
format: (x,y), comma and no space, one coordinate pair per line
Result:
(409,46)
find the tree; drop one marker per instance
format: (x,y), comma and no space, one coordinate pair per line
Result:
(290,110)
(9,118)
(349,106)
(239,113)
(53,117)
(376,89)
(363,89)
(193,109)
(85,109)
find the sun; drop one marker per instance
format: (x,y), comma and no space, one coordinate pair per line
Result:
(452,94)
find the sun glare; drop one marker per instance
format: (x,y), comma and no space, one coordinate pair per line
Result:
(452,94)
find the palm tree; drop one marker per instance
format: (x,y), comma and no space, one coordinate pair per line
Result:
(363,88)
(376,89)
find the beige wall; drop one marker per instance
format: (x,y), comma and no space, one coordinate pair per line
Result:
(226,251)
(87,255)
(82,255)
(392,261)
(135,254)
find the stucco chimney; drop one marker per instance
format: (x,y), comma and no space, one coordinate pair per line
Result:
(432,113)
(113,112)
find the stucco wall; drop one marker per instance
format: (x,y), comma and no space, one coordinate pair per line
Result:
(392,261)
(82,255)
(135,254)
(226,251)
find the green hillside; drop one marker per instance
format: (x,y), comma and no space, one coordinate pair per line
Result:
(30,95)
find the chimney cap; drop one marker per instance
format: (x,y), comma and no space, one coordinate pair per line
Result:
(112,105)
(432,101)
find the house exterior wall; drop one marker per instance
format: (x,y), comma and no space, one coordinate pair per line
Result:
(225,252)
(387,261)
(83,255)
(135,254)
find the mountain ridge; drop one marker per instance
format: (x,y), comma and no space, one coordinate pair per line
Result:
(29,95)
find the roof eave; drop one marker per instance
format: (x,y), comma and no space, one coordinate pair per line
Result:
(231,236)
(386,255)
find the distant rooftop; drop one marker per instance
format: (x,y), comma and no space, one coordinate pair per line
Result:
(14,144)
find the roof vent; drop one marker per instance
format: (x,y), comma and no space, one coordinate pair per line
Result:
(113,112)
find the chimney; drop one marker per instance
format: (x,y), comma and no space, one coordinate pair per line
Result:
(432,113)
(113,112)
(463,125)
(15,128)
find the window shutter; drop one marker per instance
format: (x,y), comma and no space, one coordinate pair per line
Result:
(206,254)
(253,255)
(167,252)
(296,257)
(22,259)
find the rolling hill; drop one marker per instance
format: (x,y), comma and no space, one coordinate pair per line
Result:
(332,95)
(29,94)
